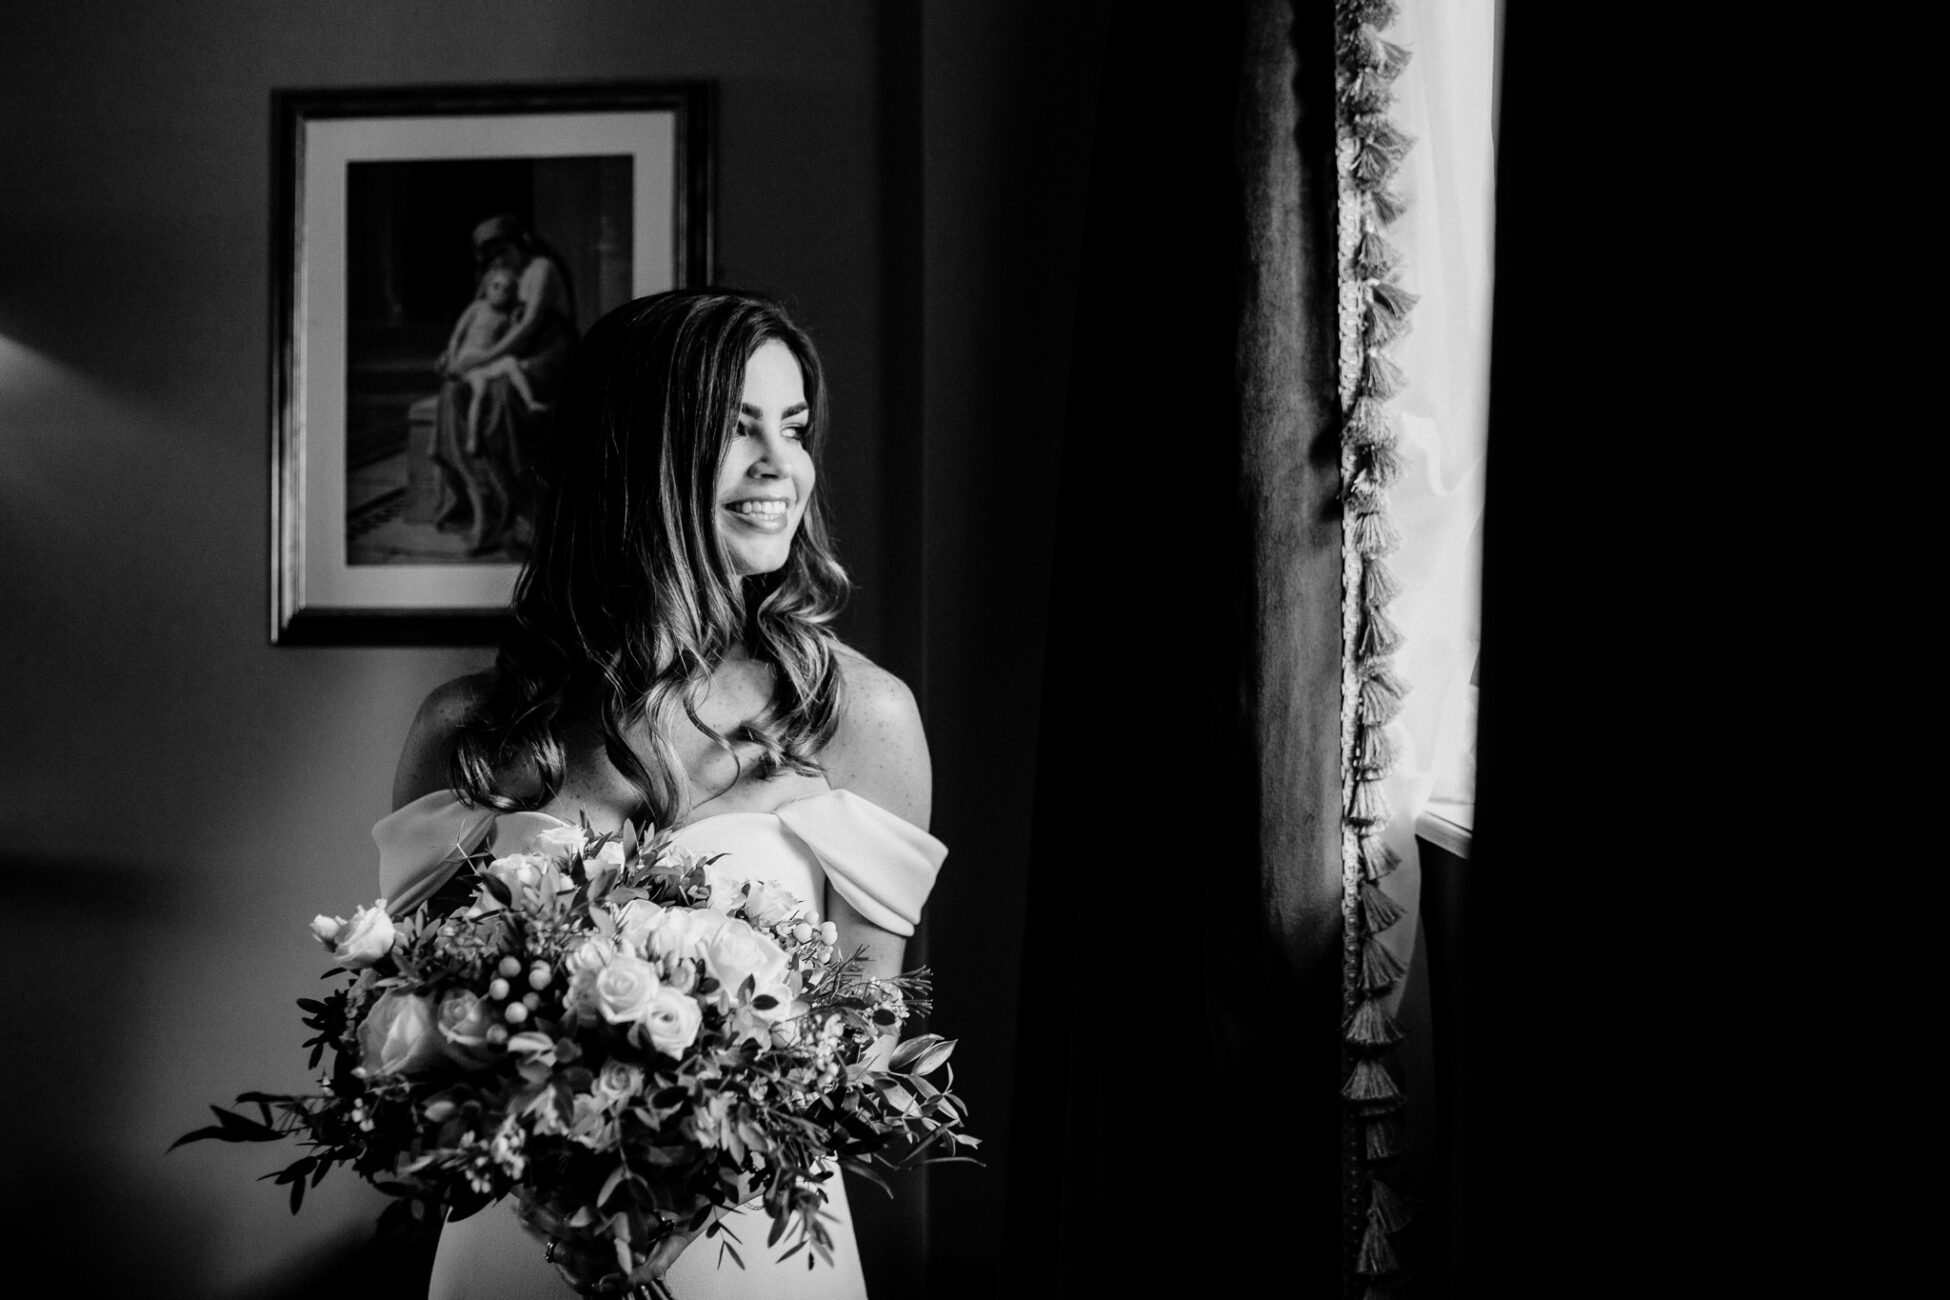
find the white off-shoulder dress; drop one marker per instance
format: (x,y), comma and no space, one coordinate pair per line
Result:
(834,840)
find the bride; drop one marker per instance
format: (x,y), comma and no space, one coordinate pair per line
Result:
(671,659)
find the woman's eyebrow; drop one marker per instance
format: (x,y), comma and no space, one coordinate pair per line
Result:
(752,412)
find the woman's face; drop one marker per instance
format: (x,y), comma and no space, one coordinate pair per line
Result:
(766,477)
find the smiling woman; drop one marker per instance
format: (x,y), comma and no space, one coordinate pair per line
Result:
(767,475)
(671,662)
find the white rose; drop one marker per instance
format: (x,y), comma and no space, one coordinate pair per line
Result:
(365,939)
(618,1081)
(624,989)
(579,999)
(671,1021)
(326,929)
(777,1002)
(591,955)
(676,932)
(591,1124)
(635,921)
(464,1019)
(609,855)
(558,841)
(397,1036)
(737,953)
(726,890)
(519,871)
(768,904)
(530,879)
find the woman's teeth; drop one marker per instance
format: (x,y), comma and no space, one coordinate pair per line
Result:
(759,509)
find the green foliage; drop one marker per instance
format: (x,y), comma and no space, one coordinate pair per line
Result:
(506,1082)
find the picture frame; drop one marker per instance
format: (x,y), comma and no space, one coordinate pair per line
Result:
(436,252)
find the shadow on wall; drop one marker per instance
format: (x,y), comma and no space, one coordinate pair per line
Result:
(82,944)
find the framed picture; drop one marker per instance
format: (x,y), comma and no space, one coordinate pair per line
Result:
(438,252)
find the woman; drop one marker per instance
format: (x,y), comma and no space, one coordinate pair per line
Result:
(486,481)
(671,660)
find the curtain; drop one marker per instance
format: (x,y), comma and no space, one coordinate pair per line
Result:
(1445,101)
(1176,1123)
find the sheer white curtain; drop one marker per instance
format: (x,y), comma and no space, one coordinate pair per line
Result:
(1446,101)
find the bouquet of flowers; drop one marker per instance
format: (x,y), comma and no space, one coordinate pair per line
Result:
(595,1030)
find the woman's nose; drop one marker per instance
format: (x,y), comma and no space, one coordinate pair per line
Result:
(769,463)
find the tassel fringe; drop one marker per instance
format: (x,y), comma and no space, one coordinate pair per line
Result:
(1374,13)
(1381,376)
(1374,751)
(1382,1139)
(1374,256)
(1371,424)
(1371,1027)
(1366,93)
(1374,165)
(1379,967)
(1378,911)
(1375,535)
(1379,585)
(1369,1082)
(1368,804)
(1377,858)
(1377,130)
(1381,695)
(1377,309)
(1388,1207)
(1378,463)
(1379,635)
(1377,1253)
(1392,298)
(1382,328)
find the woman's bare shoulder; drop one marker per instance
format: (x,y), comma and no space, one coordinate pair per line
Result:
(880,749)
(423,763)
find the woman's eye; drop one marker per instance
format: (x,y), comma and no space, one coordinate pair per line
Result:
(797,431)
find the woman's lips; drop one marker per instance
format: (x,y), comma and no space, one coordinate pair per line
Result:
(763,515)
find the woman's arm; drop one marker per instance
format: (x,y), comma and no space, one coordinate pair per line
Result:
(879,752)
(445,365)
(538,283)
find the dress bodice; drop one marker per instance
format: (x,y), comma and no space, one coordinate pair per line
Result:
(879,862)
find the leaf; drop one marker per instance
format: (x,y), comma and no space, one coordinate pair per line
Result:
(539,1046)
(616,1176)
(497,886)
(902,1099)
(869,1173)
(923,1054)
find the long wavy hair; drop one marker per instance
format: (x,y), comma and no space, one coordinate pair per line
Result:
(629,598)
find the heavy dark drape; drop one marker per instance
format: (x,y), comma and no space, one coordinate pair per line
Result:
(1177,1126)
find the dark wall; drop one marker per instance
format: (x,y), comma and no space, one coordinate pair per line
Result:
(178,797)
